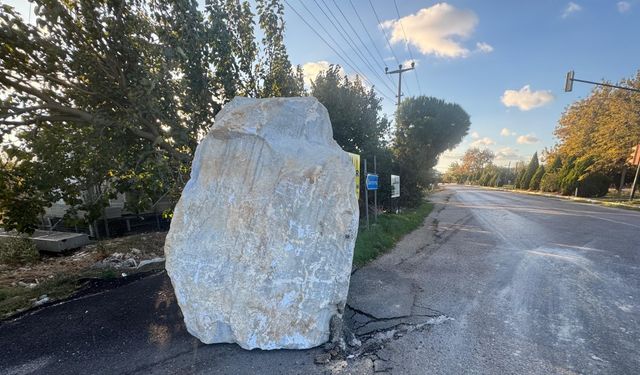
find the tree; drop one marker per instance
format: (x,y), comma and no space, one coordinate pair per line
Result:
(107,97)
(354,111)
(531,169)
(603,127)
(454,174)
(358,126)
(475,160)
(536,178)
(425,128)
(278,79)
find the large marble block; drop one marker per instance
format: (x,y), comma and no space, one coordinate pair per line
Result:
(261,242)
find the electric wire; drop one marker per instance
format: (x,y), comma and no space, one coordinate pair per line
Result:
(406,40)
(373,43)
(386,38)
(334,50)
(347,38)
(381,64)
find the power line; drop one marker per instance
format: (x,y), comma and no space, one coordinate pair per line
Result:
(373,43)
(328,34)
(386,38)
(384,33)
(381,64)
(333,49)
(407,44)
(347,38)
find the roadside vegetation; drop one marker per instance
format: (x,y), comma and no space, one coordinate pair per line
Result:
(390,228)
(592,157)
(18,251)
(26,282)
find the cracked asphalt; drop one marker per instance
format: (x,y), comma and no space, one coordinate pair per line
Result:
(493,282)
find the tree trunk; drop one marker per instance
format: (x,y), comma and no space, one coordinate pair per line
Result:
(622,178)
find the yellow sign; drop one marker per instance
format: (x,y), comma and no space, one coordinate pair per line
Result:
(355,159)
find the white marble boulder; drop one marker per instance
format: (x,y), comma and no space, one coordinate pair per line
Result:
(261,242)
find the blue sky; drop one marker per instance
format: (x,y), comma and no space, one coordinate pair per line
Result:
(532,43)
(482,55)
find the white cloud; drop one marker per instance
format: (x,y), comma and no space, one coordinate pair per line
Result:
(311,70)
(525,99)
(436,30)
(475,135)
(571,8)
(507,153)
(623,6)
(505,132)
(484,47)
(448,157)
(486,141)
(527,139)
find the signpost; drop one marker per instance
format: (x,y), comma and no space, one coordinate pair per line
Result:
(372,184)
(395,190)
(355,159)
(635,160)
(372,181)
(395,186)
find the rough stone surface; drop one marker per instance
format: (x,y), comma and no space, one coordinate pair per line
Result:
(261,242)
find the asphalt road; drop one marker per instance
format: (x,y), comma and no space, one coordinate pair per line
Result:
(535,286)
(493,282)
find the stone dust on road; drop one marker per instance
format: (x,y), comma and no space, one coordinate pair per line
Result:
(523,285)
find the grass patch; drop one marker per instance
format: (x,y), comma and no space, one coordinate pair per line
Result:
(17,298)
(389,229)
(17,251)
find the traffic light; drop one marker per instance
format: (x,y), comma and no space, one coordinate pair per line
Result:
(568,84)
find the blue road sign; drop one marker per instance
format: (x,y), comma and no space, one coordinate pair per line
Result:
(372,181)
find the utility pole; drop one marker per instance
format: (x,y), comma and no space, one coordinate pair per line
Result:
(399,72)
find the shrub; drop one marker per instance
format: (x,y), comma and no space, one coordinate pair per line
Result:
(550,182)
(594,185)
(17,251)
(537,178)
(572,174)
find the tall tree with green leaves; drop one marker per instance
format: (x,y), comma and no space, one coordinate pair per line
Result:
(354,110)
(531,169)
(276,70)
(537,178)
(101,97)
(425,128)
